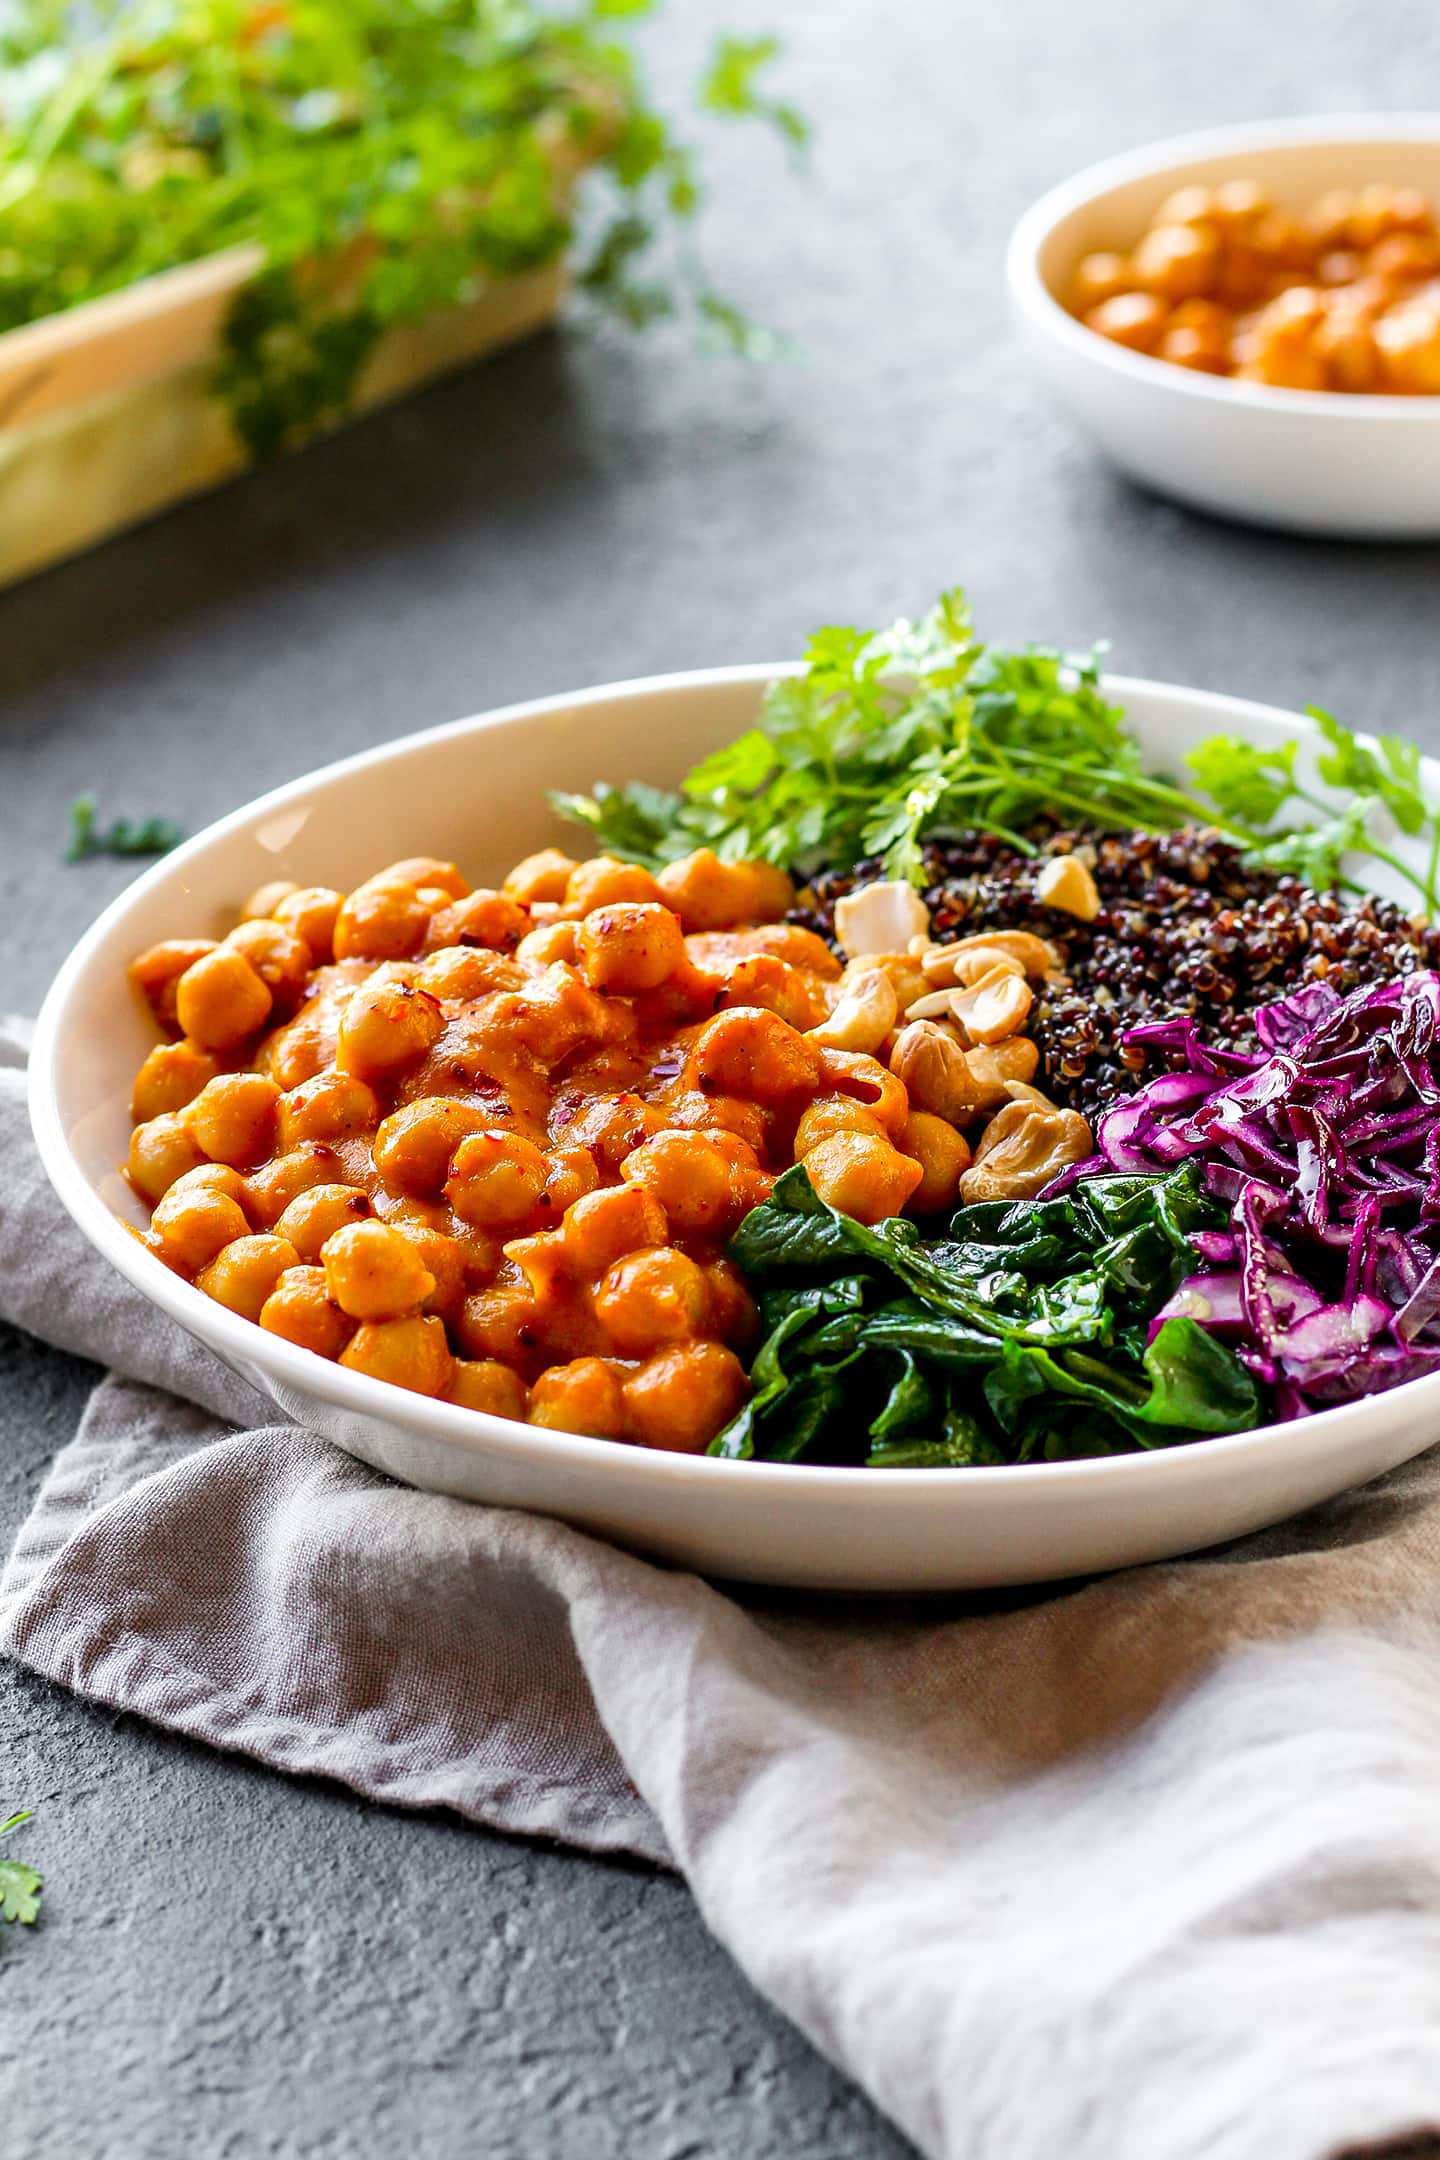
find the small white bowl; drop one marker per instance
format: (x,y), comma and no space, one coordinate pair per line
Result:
(476,792)
(1309,461)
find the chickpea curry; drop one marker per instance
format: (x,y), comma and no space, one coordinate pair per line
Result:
(1345,296)
(492,1144)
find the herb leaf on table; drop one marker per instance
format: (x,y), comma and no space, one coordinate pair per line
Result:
(20,1885)
(1019,1336)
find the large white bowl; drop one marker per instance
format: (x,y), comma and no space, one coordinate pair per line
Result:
(1310,461)
(476,792)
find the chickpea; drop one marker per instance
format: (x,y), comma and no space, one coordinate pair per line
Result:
(540,877)
(385,1027)
(234,1117)
(731,1313)
(413,1146)
(375,1272)
(1409,346)
(613,1126)
(1344,343)
(603,1226)
(604,880)
(1191,205)
(500,1323)
(631,946)
(419,870)
(650,1298)
(446,1260)
(752,1053)
(573,1172)
(708,894)
(214,1177)
(314,1216)
(1404,257)
(243,1276)
(263,902)
(1176,262)
(694,1180)
(943,1155)
(724,1117)
(834,1114)
(485,1384)
(682,1398)
(280,958)
(1103,276)
(586,1396)
(1133,319)
(329,1107)
(881,1092)
(310,913)
(488,919)
(270,1190)
(858,1176)
(495,1179)
(553,941)
(157,971)
(410,1353)
(172,1076)
(193,1223)
(793,993)
(465,972)
(380,922)
(161,1150)
(1237,204)
(220,999)
(301,1309)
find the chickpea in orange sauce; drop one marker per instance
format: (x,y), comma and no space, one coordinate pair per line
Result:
(490,1144)
(1343,297)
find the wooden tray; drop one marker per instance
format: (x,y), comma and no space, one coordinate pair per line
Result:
(106,416)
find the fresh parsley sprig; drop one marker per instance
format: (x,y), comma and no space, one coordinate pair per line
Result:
(20,1886)
(888,739)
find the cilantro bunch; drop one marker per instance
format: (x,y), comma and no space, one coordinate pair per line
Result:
(20,1885)
(387,157)
(891,738)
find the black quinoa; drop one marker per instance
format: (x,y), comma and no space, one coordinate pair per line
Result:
(1184,927)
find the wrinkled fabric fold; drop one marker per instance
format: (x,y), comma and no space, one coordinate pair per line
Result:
(1147,1867)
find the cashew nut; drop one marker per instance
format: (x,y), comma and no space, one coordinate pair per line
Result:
(994,1007)
(1033,956)
(993,1066)
(1065,883)
(931,1063)
(903,972)
(867,1011)
(880,918)
(934,1005)
(1021,1149)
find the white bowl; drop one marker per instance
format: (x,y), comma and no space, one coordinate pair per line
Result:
(1309,461)
(476,791)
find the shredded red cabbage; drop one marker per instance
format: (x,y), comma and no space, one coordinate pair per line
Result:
(1326,1150)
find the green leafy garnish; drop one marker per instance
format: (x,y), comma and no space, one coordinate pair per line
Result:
(123,836)
(890,736)
(387,158)
(1019,1337)
(19,1885)
(889,739)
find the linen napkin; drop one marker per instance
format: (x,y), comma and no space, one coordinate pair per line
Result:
(1142,1870)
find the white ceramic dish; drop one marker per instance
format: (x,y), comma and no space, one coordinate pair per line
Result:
(1310,461)
(476,791)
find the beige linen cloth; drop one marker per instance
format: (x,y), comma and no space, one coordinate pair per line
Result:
(1143,1870)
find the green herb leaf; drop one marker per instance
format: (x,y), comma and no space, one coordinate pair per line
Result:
(20,1885)
(125,836)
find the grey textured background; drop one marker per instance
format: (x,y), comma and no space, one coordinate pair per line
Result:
(232,1964)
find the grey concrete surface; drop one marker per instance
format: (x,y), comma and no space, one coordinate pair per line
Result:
(235,1965)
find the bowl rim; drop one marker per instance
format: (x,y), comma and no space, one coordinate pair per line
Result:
(1039,306)
(241,1343)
